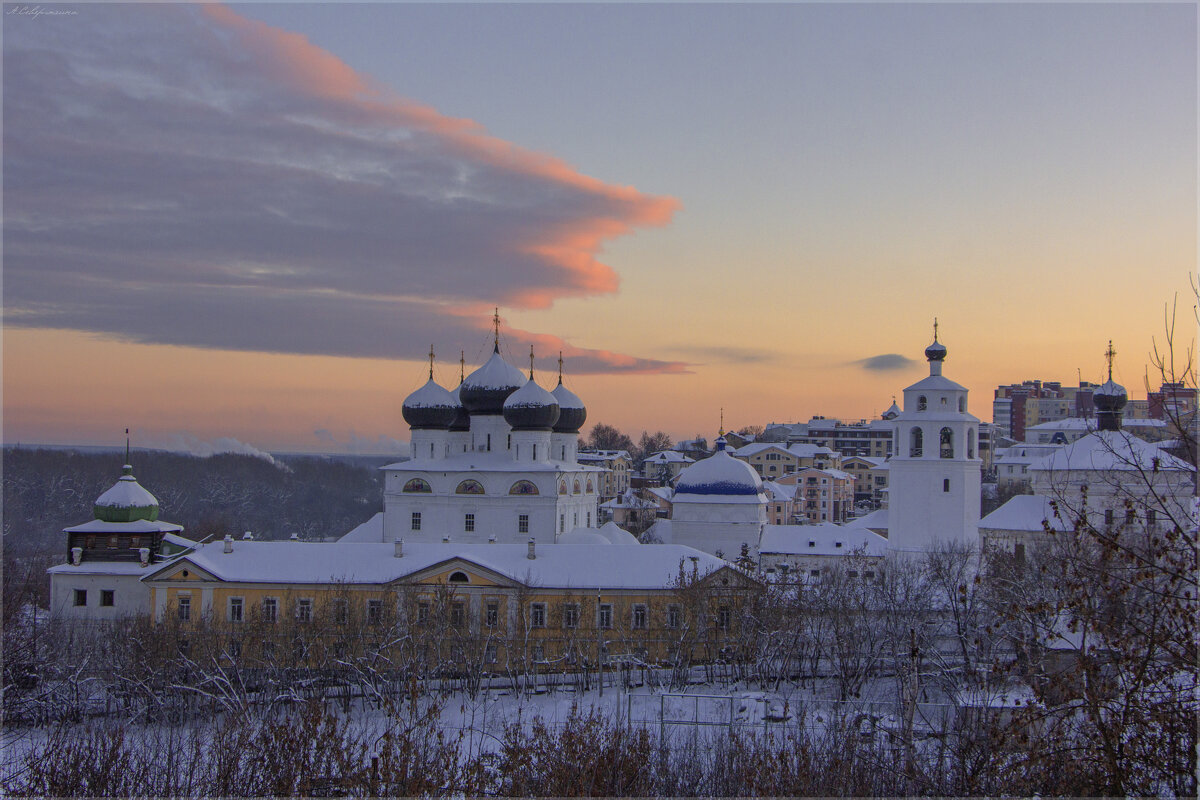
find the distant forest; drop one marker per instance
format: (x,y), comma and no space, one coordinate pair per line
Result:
(46,490)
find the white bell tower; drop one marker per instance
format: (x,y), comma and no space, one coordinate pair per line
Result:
(934,473)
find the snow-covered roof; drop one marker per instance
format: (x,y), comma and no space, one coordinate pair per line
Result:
(1110,450)
(781,491)
(876,520)
(107,568)
(496,373)
(824,539)
(796,450)
(664,492)
(616,534)
(669,457)
(871,461)
(127,493)
(936,383)
(602,455)
(628,500)
(556,566)
(138,526)
(659,533)
(583,536)
(369,531)
(1075,424)
(1024,512)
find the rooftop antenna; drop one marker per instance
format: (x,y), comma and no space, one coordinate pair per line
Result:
(496,330)
(430,362)
(560,367)
(530,362)
(1109,354)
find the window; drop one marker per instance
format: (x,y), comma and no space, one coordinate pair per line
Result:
(81,597)
(723,618)
(459,577)
(458,613)
(304,609)
(537,615)
(341,610)
(946,444)
(374,611)
(270,606)
(962,404)
(922,403)
(815,573)
(185,607)
(916,446)
(417,485)
(589,519)
(1108,516)
(422,613)
(523,487)
(112,543)
(469,523)
(571,615)
(107,597)
(812,543)
(639,617)
(491,614)
(673,616)
(489,653)
(605,617)
(970,443)
(470,487)
(945,484)
(1129,515)
(523,523)
(416,520)
(869,574)
(235,648)
(1151,516)
(562,522)
(852,573)
(236,611)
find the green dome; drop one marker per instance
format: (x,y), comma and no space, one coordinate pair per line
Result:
(126,501)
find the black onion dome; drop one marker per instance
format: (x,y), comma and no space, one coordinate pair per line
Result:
(485,390)
(936,351)
(571,411)
(429,408)
(462,420)
(1110,396)
(531,408)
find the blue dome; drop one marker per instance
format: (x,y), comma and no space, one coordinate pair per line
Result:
(719,474)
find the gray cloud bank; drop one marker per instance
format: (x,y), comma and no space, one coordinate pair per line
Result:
(182,175)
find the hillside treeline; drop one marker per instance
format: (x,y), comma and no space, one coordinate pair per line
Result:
(48,490)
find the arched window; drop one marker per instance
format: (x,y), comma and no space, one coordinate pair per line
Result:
(590,490)
(459,577)
(562,487)
(418,485)
(469,487)
(970,443)
(922,403)
(946,444)
(523,487)
(962,404)
(916,443)
(576,486)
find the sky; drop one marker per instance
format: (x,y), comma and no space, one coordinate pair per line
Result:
(248,224)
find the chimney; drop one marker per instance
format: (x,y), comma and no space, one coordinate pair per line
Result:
(76,555)
(295,537)
(399,548)
(144,555)
(446,539)
(228,543)
(248,536)
(531,555)
(492,539)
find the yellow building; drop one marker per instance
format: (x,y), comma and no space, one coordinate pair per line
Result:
(452,606)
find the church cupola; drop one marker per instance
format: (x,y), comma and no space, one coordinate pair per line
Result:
(935,353)
(531,408)
(1110,398)
(431,407)
(571,411)
(126,501)
(485,390)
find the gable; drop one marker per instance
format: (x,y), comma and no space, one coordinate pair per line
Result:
(477,575)
(175,571)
